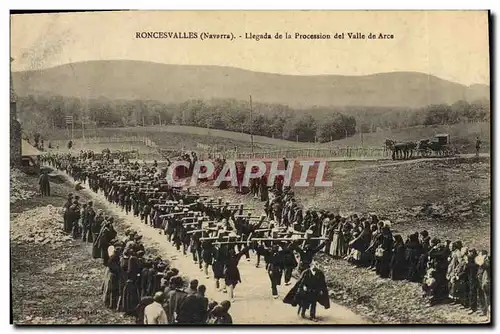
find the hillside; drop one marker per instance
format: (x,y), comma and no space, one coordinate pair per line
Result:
(123,79)
(461,135)
(188,137)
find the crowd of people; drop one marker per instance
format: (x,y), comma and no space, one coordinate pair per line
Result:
(216,234)
(287,237)
(448,271)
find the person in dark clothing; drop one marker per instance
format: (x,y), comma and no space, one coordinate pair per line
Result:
(263,190)
(102,242)
(84,222)
(231,273)
(289,261)
(146,211)
(74,216)
(66,215)
(478,146)
(384,253)
(203,303)
(362,242)
(90,220)
(110,287)
(207,255)
(130,298)
(44,184)
(95,229)
(472,282)
(413,252)
(438,265)
(220,258)
(307,255)
(398,261)
(484,282)
(220,315)
(309,290)
(193,309)
(275,269)
(175,299)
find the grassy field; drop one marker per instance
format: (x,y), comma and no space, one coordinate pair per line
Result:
(176,136)
(188,137)
(463,136)
(449,198)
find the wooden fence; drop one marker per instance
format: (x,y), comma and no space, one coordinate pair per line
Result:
(132,139)
(205,151)
(323,153)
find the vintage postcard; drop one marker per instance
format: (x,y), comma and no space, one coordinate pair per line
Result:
(250,167)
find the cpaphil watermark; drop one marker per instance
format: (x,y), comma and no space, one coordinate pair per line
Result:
(293,173)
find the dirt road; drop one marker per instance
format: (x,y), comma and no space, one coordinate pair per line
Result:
(253,301)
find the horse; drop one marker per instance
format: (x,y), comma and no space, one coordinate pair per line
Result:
(400,150)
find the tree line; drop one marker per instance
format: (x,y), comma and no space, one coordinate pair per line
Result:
(42,114)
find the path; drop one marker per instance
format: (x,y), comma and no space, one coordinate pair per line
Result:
(253,301)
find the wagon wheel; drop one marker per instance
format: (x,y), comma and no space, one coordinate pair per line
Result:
(427,152)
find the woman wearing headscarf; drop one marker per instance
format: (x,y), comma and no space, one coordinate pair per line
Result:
(383,253)
(413,252)
(110,288)
(425,241)
(471,280)
(455,272)
(370,251)
(362,242)
(103,240)
(130,294)
(398,261)
(438,262)
(484,282)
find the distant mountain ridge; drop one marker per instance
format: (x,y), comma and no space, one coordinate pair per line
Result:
(126,79)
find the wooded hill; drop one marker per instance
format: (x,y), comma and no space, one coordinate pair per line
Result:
(124,79)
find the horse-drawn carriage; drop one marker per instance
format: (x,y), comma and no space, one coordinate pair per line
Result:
(439,145)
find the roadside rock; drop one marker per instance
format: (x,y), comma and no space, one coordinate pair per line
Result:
(42,225)
(18,188)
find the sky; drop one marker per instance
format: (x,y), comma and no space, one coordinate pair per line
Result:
(452,45)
